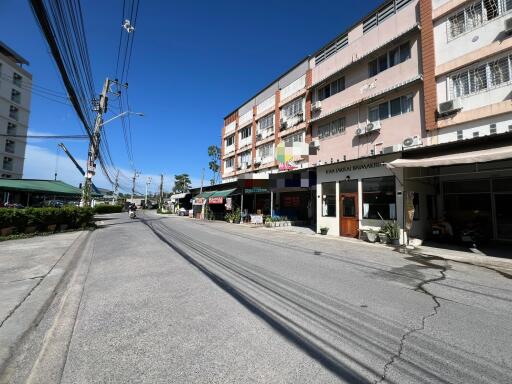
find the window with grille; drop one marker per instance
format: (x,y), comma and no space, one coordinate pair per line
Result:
(11,128)
(17,79)
(245,157)
(475,14)
(297,138)
(332,88)
(292,109)
(266,151)
(230,140)
(394,107)
(245,132)
(9,146)
(334,128)
(13,112)
(481,77)
(266,122)
(7,164)
(229,162)
(395,56)
(16,96)
(331,49)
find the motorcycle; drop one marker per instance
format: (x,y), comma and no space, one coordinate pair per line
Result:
(132,215)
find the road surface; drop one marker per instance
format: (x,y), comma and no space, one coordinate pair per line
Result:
(174,300)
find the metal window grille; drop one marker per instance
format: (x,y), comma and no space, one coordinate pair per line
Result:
(331,49)
(9,146)
(11,128)
(13,112)
(386,12)
(266,150)
(7,164)
(292,109)
(16,96)
(266,122)
(459,135)
(17,79)
(475,15)
(492,129)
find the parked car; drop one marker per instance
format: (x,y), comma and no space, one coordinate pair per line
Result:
(183,212)
(13,205)
(53,203)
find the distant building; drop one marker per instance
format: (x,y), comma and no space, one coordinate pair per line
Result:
(15,97)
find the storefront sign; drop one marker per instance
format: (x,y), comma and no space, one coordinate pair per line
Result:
(199,201)
(355,167)
(256,190)
(216,200)
(229,203)
(256,219)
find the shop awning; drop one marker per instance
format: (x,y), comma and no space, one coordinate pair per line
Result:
(205,195)
(225,193)
(481,156)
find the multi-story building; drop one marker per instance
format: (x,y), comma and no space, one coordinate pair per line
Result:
(411,75)
(15,96)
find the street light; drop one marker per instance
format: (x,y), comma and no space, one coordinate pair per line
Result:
(122,114)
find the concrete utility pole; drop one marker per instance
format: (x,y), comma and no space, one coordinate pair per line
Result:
(148,181)
(161,201)
(116,189)
(94,145)
(202,180)
(135,175)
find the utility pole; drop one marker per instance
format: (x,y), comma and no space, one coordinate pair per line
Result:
(148,181)
(202,180)
(116,189)
(94,144)
(161,202)
(135,175)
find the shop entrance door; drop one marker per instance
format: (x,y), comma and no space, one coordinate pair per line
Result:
(349,221)
(503,209)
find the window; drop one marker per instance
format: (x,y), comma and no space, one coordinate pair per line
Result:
(460,135)
(394,107)
(379,200)
(9,146)
(17,79)
(292,109)
(331,88)
(245,157)
(331,129)
(475,15)
(480,78)
(245,132)
(13,112)
(331,49)
(7,165)
(297,138)
(230,140)
(16,96)
(228,163)
(389,59)
(266,122)
(266,151)
(11,128)
(5,176)
(329,199)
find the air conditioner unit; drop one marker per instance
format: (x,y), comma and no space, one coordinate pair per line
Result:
(392,148)
(508,25)
(257,160)
(450,106)
(360,131)
(410,142)
(316,143)
(284,125)
(373,126)
(259,136)
(316,106)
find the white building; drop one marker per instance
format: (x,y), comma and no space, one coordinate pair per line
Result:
(15,97)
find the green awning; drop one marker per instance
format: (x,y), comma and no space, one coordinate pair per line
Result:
(225,193)
(204,195)
(53,187)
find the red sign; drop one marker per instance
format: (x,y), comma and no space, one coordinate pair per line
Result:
(216,200)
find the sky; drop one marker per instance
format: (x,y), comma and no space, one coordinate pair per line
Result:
(193,63)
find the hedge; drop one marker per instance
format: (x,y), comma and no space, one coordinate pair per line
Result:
(104,208)
(40,218)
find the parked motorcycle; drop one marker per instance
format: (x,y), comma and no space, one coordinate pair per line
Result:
(133,215)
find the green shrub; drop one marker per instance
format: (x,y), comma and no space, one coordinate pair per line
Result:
(74,217)
(104,208)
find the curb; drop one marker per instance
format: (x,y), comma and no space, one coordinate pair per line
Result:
(32,309)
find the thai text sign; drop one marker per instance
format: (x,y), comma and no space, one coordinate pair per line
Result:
(216,200)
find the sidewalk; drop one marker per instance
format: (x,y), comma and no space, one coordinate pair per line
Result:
(30,273)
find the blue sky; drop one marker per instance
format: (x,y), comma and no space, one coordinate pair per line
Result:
(193,62)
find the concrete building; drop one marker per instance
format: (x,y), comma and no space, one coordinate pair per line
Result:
(15,97)
(411,75)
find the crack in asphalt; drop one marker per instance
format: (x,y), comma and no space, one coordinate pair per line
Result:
(419,288)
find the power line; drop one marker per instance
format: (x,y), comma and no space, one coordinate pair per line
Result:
(74,137)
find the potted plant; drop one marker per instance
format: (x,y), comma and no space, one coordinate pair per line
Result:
(229,217)
(371,235)
(383,237)
(392,230)
(324,230)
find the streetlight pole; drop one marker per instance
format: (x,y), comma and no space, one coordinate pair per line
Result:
(148,181)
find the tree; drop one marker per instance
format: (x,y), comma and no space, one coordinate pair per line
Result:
(214,153)
(181,183)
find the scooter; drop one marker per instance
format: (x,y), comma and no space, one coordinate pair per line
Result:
(132,215)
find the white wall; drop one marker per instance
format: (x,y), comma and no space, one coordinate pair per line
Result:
(503,122)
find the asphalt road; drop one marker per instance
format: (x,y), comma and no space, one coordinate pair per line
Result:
(174,300)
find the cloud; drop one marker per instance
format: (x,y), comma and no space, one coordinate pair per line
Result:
(41,163)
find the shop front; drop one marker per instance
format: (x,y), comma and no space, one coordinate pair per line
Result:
(255,199)
(221,202)
(462,193)
(358,195)
(293,195)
